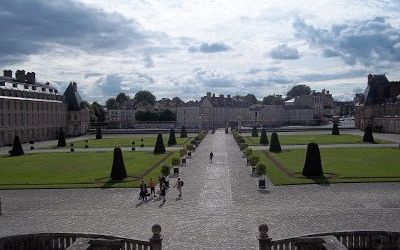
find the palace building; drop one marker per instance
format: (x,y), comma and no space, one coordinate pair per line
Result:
(36,111)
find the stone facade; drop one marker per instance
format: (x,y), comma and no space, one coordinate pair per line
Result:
(35,111)
(320,102)
(379,107)
(120,118)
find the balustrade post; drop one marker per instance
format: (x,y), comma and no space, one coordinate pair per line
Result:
(263,239)
(156,240)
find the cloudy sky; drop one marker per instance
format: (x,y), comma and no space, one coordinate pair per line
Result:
(186,48)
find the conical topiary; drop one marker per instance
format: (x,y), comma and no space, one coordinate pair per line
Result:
(172,139)
(254,132)
(99,134)
(17,147)
(183,132)
(368,137)
(118,171)
(275,146)
(264,137)
(159,148)
(312,165)
(335,129)
(61,139)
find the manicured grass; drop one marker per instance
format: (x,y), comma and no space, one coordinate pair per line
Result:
(346,165)
(127,141)
(73,170)
(318,138)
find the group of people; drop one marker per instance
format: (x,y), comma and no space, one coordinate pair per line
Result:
(164,185)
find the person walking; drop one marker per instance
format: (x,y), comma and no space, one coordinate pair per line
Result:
(163,189)
(179,185)
(143,190)
(152,185)
(211,156)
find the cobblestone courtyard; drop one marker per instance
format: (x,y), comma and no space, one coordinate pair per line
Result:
(221,206)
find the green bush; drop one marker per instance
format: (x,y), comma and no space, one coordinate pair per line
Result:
(194,142)
(176,161)
(165,169)
(182,152)
(61,139)
(254,132)
(275,145)
(253,160)
(118,171)
(248,152)
(243,146)
(261,168)
(159,148)
(264,137)
(197,138)
(190,147)
(171,139)
(16,148)
(368,137)
(335,129)
(99,134)
(183,132)
(312,164)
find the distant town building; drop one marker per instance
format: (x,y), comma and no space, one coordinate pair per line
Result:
(36,111)
(379,107)
(120,118)
(218,111)
(320,102)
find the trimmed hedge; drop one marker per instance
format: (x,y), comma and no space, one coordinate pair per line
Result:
(368,137)
(176,161)
(159,148)
(312,164)
(183,132)
(99,134)
(264,137)
(118,171)
(335,129)
(165,169)
(254,132)
(182,152)
(171,139)
(253,160)
(248,152)
(190,147)
(16,148)
(61,139)
(261,168)
(275,146)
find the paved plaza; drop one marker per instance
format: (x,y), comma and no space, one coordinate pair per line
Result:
(221,206)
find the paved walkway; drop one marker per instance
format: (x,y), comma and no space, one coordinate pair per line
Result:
(221,206)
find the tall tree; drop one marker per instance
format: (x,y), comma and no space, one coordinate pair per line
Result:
(299,90)
(178,101)
(273,100)
(145,96)
(111,103)
(121,99)
(98,111)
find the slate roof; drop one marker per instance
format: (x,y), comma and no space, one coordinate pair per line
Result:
(73,98)
(371,92)
(226,102)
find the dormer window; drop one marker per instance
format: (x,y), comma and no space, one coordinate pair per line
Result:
(43,89)
(51,90)
(26,87)
(15,85)
(33,87)
(2,83)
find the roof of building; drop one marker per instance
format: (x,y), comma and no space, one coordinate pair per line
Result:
(293,107)
(72,97)
(37,87)
(371,92)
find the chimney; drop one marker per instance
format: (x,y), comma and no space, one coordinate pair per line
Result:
(20,75)
(7,73)
(213,95)
(229,96)
(369,79)
(75,86)
(30,77)
(208,94)
(221,96)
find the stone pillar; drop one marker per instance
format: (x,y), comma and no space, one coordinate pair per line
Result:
(263,239)
(156,240)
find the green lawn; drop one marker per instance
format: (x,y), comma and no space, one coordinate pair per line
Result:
(73,170)
(127,141)
(318,138)
(346,165)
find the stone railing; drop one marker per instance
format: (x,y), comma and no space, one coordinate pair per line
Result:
(369,240)
(75,241)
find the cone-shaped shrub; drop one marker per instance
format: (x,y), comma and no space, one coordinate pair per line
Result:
(368,137)
(275,146)
(118,171)
(17,147)
(335,129)
(171,139)
(159,148)
(264,137)
(99,134)
(254,132)
(61,139)
(312,165)
(183,132)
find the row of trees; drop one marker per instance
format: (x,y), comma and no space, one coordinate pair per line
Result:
(165,115)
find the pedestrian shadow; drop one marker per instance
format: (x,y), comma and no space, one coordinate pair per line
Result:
(178,199)
(264,191)
(141,202)
(161,205)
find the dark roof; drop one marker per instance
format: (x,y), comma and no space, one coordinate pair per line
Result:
(226,102)
(191,104)
(371,92)
(73,98)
